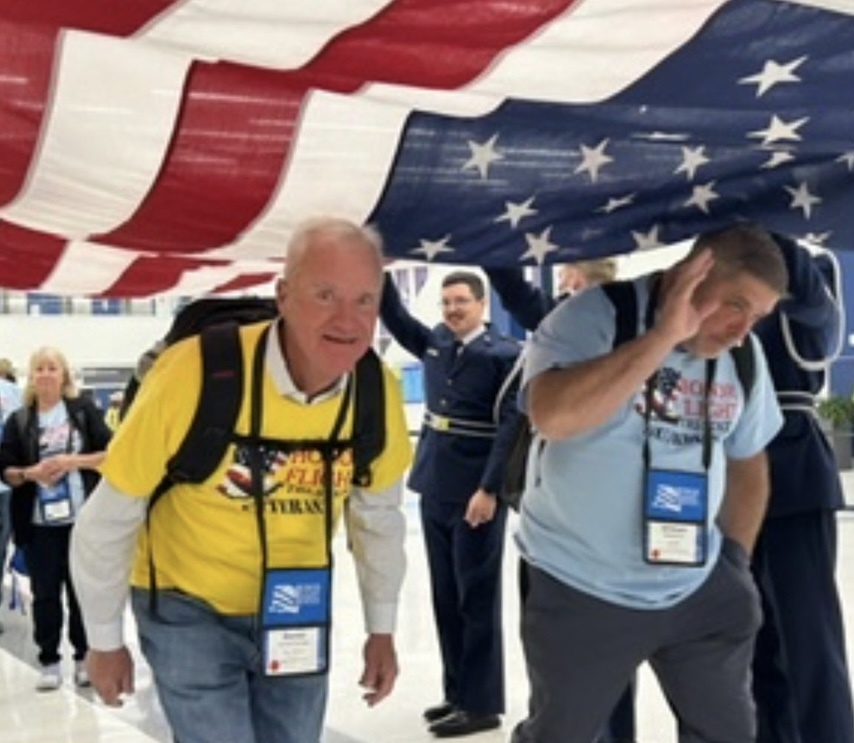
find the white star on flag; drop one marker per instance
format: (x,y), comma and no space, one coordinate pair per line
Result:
(777,157)
(482,156)
(779,130)
(692,158)
(515,212)
(539,246)
(701,196)
(616,203)
(848,159)
(773,73)
(648,240)
(803,199)
(431,248)
(592,159)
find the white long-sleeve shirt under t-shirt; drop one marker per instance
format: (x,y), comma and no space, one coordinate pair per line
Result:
(104,540)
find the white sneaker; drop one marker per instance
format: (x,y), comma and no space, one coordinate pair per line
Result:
(81,675)
(50,679)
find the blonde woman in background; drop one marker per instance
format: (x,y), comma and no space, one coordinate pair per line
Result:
(574,277)
(50,450)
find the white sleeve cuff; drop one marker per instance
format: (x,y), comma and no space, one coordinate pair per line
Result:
(377,530)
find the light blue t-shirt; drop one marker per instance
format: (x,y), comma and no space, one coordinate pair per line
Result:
(581,516)
(57,435)
(10,400)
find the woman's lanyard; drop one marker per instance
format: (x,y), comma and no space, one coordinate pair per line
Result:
(295,603)
(675,502)
(54,501)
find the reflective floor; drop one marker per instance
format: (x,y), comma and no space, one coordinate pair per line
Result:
(72,716)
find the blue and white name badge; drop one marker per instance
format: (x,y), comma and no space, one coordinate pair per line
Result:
(675,511)
(295,621)
(55,502)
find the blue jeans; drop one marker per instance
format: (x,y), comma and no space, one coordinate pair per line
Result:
(208,671)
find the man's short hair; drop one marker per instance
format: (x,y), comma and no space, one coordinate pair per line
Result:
(471,279)
(746,248)
(310,229)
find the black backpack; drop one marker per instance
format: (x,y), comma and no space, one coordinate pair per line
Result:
(624,298)
(216,321)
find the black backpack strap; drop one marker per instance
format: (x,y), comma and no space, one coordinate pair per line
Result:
(212,427)
(625,300)
(368,417)
(745,365)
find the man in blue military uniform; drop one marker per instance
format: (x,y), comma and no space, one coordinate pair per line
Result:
(800,674)
(457,471)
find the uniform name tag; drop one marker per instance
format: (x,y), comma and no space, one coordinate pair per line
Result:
(675,517)
(55,502)
(295,621)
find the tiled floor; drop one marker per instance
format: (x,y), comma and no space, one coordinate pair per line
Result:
(71,716)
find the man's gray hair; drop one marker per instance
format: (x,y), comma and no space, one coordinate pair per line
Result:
(746,248)
(309,230)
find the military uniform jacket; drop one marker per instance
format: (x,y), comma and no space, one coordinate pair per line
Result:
(460,385)
(804,475)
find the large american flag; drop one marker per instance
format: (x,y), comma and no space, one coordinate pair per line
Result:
(153,147)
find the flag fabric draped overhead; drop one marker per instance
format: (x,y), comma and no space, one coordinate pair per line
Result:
(172,147)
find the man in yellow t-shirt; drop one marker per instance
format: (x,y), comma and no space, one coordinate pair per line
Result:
(238,635)
(112,415)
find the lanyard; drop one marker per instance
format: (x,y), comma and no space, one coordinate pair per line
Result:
(330,448)
(675,503)
(651,384)
(649,395)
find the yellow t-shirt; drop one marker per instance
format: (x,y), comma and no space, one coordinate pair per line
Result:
(204,536)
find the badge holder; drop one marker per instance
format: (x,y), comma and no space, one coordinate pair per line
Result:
(295,603)
(55,502)
(674,518)
(296,621)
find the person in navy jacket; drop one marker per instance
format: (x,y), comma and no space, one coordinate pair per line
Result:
(463,444)
(800,676)
(528,305)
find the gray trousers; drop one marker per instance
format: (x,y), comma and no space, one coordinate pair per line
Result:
(580,653)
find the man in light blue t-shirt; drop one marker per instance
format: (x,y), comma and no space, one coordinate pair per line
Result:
(10,401)
(646,486)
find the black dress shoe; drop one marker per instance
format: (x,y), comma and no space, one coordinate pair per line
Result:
(462,723)
(434,714)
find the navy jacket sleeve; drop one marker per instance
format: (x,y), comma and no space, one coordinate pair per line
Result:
(410,333)
(526,303)
(508,412)
(810,310)
(799,338)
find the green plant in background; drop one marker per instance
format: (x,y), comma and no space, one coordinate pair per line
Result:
(837,410)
